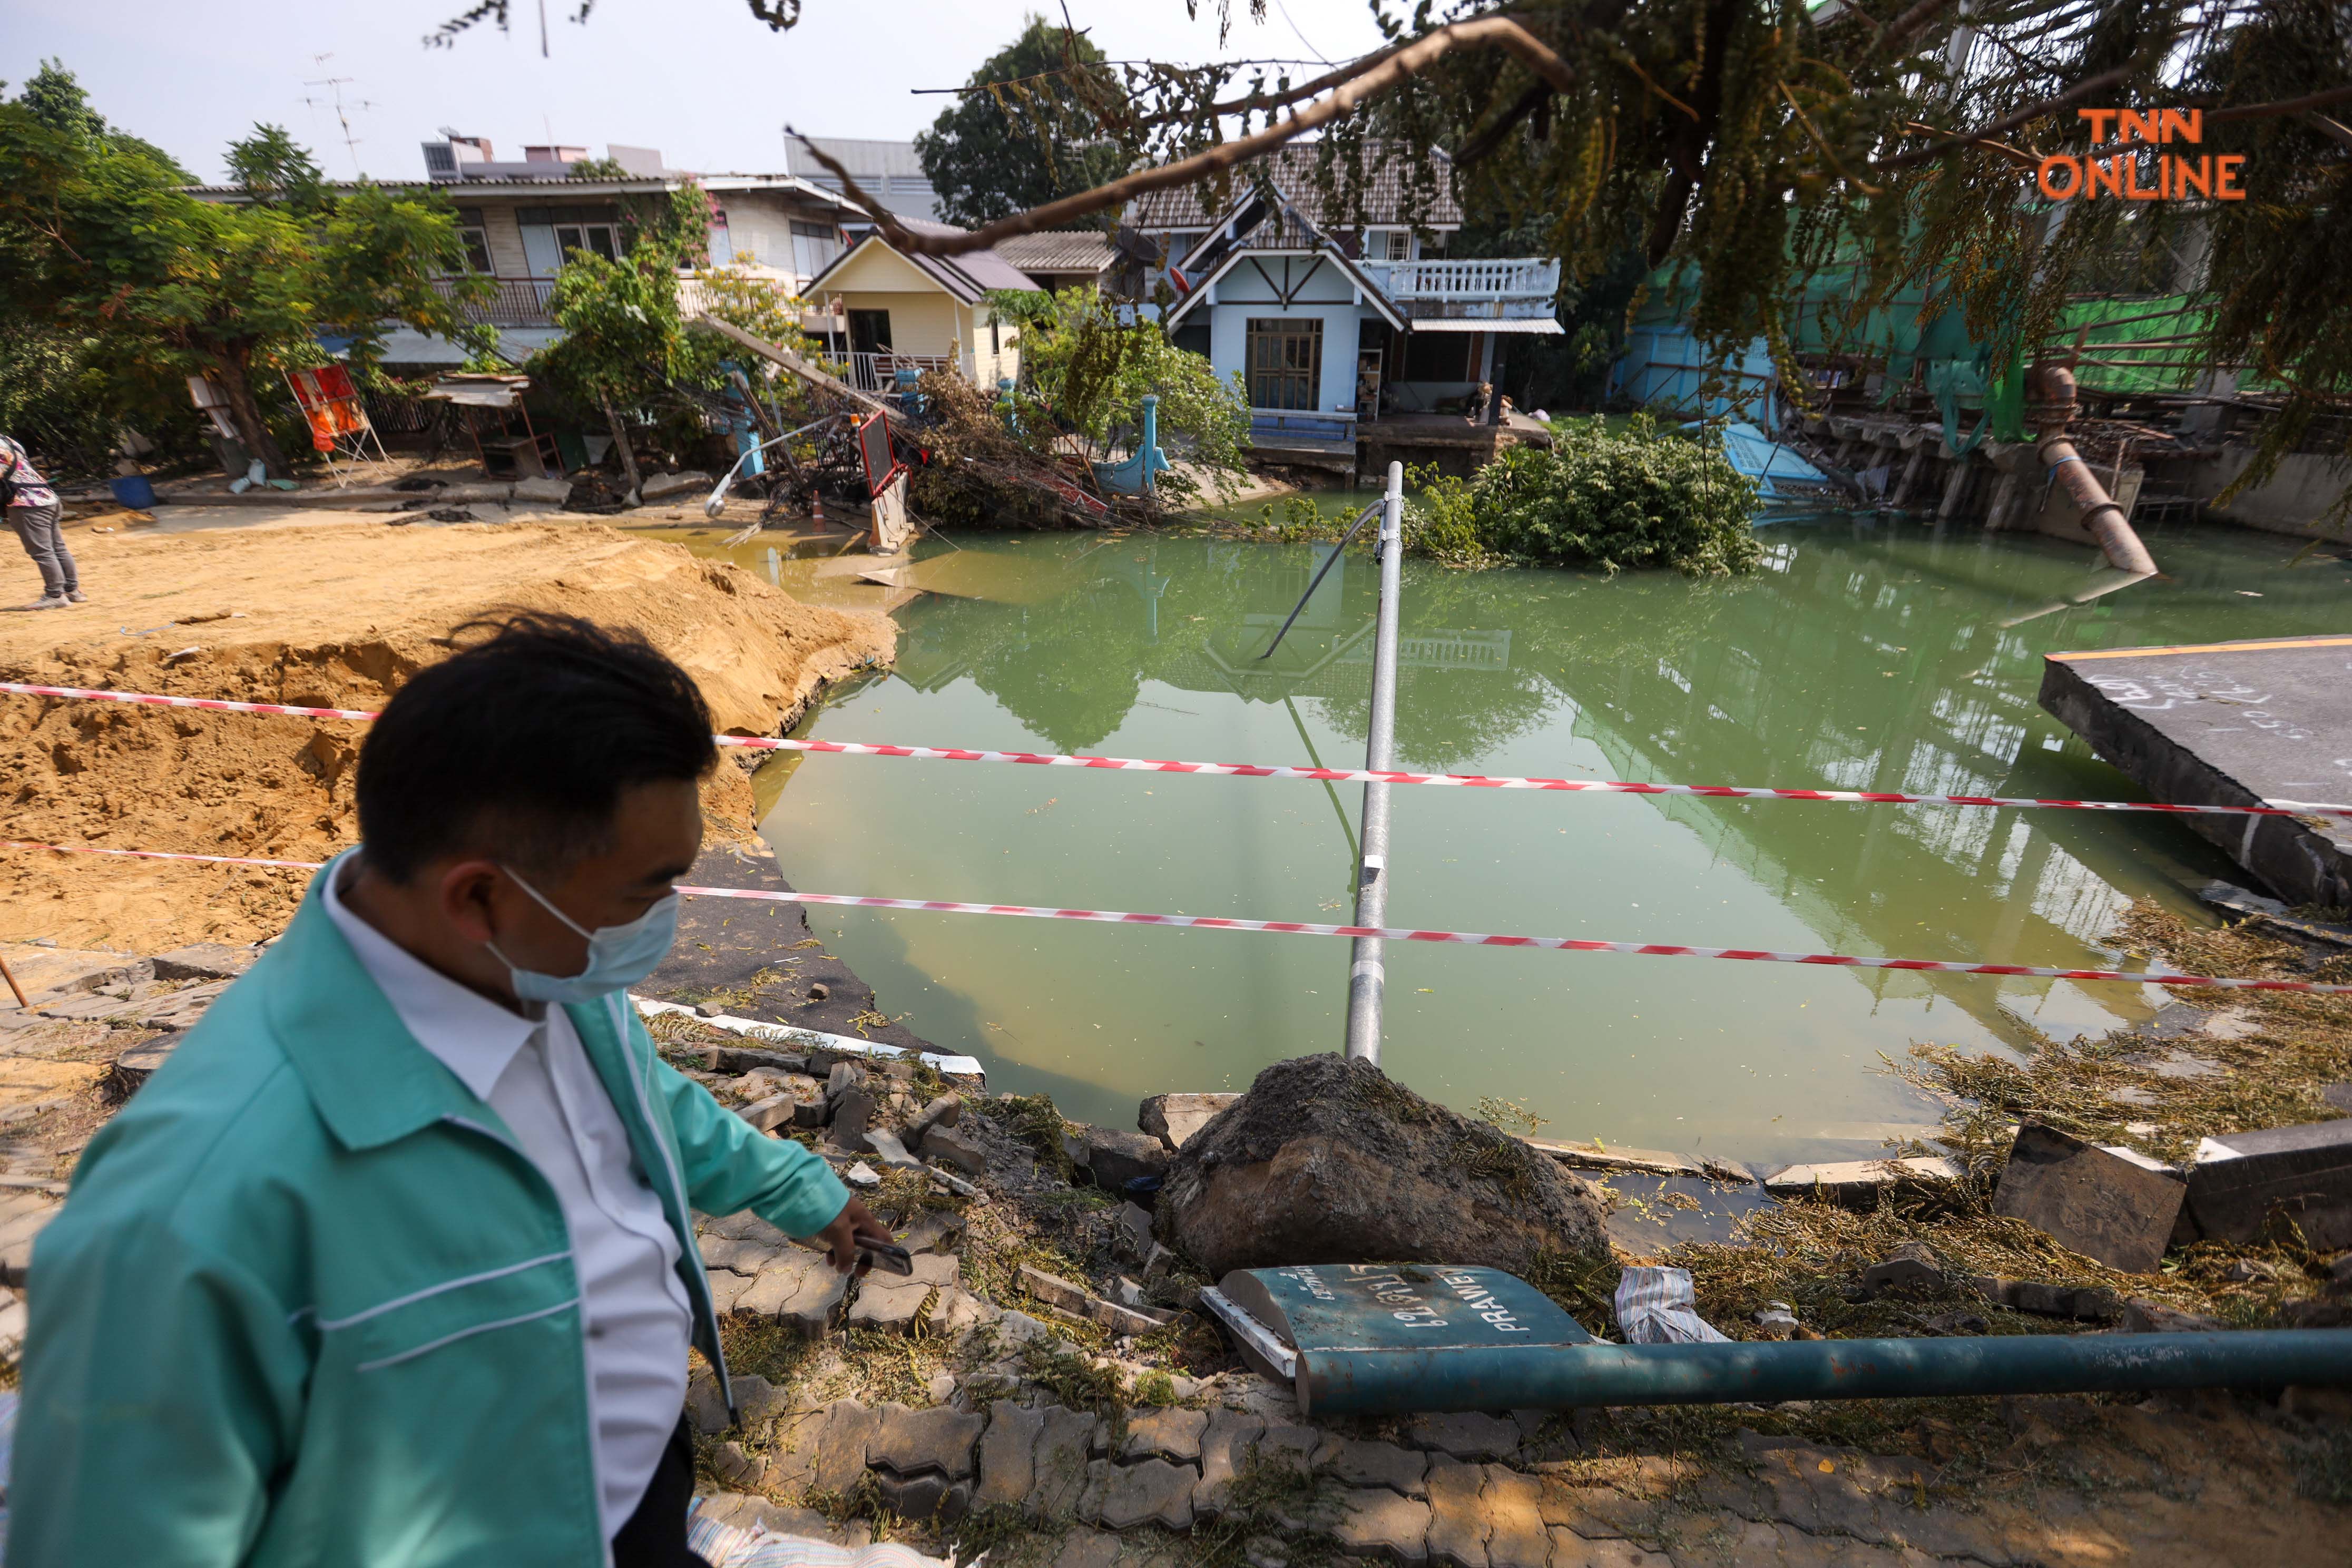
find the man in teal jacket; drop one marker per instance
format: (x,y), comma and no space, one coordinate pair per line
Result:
(391,1262)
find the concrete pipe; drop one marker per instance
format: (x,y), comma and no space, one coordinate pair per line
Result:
(2067,468)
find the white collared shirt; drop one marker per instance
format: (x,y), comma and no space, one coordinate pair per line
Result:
(536,1075)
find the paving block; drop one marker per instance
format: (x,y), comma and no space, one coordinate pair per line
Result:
(205,961)
(766,1115)
(1121,1497)
(1359,1462)
(727,1288)
(66,971)
(760,1402)
(1457,1523)
(1373,1522)
(1570,1550)
(1115,1157)
(928,1498)
(704,1407)
(741,1255)
(840,1445)
(1008,1455)
(1064,1447)
(1465,1434)
(799,1288)
(1229,1435)
(1054,1291)
(957,1147)
(1174,1118)
(908,1441)
(890,1301)
(2241,1179)
(733,1464)
(1085,1547)
(1131,1231)
(853,1112)
(1516,1534)
(1911,1268)
(2110,1205)
(933,1230)
(182,1009)
(23,1216)
(1170,1432)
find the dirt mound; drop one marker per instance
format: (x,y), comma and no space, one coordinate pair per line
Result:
(1328,1160)
(334,617)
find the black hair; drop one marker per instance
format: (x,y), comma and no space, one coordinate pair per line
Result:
(523,740)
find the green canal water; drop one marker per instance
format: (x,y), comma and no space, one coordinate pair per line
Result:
(1867,656)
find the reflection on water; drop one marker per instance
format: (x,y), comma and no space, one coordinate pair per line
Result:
(1863,658)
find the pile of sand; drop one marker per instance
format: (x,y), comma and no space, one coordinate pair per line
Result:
(334,616)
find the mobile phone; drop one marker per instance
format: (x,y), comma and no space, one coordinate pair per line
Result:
(886,1255)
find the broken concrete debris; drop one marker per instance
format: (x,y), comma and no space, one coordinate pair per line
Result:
(2106,1203)
(1112,1158)
(2240,1181)
(1857,1184)
(1064,1296)
(1911,1268)
(1174,1118)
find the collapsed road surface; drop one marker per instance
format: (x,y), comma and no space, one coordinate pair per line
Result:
(2237,724)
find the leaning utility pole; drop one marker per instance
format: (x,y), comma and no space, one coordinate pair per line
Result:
(1367,975)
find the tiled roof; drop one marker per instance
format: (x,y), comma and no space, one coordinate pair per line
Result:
(1293,168)
(967,276)
(1058,251)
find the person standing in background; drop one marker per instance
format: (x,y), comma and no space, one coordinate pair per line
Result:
(35,513)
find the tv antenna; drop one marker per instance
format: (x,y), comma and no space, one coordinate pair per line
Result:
(343,111)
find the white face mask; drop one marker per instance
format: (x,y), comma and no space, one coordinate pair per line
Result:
(618,956)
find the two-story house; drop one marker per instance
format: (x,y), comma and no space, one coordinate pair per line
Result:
(521,219)
(1337,313)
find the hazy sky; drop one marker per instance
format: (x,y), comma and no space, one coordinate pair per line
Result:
(697,78)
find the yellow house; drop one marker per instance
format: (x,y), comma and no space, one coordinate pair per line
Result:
(926,312)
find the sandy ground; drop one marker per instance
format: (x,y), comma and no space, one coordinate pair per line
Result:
(330,613)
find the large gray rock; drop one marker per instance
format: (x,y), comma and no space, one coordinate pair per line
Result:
(1329,1161)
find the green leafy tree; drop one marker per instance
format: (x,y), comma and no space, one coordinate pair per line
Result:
(98,239)
(1025,135)
(55,98)
(625,341)
(1092,371)
(273,167)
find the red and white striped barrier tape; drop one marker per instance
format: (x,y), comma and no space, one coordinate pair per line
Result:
(1392,933)
(1332,775)
(153,700)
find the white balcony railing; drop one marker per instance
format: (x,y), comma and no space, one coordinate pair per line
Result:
(879,373)
(1493,290)
(1519,278)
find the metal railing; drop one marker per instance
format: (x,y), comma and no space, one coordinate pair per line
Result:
(879,372)
(512,301)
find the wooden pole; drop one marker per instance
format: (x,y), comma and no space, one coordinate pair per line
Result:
(12,987)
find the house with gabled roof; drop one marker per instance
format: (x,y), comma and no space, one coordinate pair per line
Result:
(907,311)
(1338,309)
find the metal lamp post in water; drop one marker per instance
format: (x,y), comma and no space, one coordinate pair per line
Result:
(1367,973)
